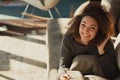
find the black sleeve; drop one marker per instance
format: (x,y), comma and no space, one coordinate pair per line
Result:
(66,54)
(108,61)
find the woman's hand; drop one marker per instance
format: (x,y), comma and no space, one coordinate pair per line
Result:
(64,77)
(101,46)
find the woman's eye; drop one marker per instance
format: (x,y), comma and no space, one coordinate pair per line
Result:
(83,25)
(92,28)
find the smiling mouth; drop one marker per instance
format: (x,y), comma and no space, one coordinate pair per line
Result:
(85,36)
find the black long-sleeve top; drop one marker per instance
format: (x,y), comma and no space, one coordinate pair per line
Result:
(71,48)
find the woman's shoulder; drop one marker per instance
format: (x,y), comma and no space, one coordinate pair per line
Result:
(110,45)
(68,37)
(110,42)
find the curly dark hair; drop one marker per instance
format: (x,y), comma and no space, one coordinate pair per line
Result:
(102,17)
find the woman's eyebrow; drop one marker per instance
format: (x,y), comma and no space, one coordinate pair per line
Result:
(90,25)
(93,25)
(83,22)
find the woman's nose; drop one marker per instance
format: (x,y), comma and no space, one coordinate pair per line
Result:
(86,29)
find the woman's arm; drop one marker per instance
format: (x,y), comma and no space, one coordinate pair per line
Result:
(108,60)
(66,55)
(101,47)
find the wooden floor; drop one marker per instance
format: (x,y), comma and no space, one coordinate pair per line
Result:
(23,49)
(23,57)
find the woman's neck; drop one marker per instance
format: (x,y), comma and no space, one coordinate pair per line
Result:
(79,41)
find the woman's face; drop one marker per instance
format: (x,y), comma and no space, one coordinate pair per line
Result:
(88,29)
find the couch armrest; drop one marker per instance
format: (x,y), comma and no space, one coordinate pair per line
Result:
(55,30)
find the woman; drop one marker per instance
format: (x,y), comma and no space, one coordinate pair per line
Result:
(87,47)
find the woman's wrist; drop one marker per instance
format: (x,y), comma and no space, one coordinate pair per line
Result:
(101,52)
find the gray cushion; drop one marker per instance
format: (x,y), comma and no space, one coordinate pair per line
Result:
(55,30)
